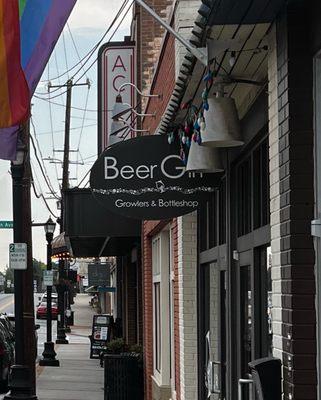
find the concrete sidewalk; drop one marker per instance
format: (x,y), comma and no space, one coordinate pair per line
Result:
(78,377)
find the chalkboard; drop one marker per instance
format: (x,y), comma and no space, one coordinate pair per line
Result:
(99,274)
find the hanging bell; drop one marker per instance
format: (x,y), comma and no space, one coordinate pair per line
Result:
(222,124)
(203,159)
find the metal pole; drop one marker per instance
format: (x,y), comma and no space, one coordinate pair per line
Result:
(49,354)
(17,189)
(198,53)
(49,289)
(22,374)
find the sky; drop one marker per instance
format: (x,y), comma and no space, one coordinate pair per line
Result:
(86,25)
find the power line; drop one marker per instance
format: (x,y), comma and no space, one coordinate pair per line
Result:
(43,198)
(62,130)
(46,177)
(65,51)
(52,135)
(95,60)
(87,57)
(121,21)
(81,131)
(39,195)
(75,46)
(73,107)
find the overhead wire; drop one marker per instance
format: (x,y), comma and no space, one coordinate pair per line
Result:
(38,196)
(72,107)
(81,132)
(52,135)
(62,130)
(94,61)
(119,24)
(42,167)
(65,52)
(88,56)
(75,46)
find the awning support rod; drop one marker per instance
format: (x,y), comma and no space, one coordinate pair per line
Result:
(199,53)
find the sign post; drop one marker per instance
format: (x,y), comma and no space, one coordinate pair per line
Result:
(18,256)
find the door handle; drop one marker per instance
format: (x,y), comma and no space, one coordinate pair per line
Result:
(241,383)
(213,380)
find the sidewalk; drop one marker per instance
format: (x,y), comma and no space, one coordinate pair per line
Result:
(78,377)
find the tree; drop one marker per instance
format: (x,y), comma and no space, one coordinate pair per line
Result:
(9,280)
(38,268)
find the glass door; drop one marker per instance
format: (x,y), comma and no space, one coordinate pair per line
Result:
(214,332)
(254,315)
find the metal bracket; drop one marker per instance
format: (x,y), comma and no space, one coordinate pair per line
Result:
(316,228)
(242,382)
(204,54)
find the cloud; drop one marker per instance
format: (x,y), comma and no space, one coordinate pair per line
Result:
(93,15)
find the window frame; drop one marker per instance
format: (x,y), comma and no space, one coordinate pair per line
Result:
(161,276)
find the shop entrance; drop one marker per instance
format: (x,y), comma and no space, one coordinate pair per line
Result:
(254,318)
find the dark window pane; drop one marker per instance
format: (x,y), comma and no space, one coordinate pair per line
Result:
(244,197)
(261,185)
(222,212)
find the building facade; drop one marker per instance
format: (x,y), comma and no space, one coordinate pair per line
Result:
(238,280)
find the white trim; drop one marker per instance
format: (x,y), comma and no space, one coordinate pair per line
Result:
(161,273)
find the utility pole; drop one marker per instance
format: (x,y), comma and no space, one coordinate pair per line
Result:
(61,323)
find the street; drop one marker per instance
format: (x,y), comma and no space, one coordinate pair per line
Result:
(7,307)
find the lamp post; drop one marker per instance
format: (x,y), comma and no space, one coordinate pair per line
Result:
(49,354)
(20,380)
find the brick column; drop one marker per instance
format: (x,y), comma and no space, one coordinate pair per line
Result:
(187,284)
(296,200)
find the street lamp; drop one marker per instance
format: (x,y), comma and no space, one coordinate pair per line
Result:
(20,375)
(49,354)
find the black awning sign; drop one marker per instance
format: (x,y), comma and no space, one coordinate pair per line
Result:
(145,178)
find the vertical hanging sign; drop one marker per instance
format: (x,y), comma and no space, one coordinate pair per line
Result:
(116,66)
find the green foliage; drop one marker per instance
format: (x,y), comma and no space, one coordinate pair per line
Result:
(8,276)
(38,268)
(118,346)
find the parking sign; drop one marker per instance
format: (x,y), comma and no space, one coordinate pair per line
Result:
(18,256)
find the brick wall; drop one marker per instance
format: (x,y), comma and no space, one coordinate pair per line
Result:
(185,16)
(187,285)
(164,82)
(275,197)
(293,258)
(174,228)
(150,229)
(151,34)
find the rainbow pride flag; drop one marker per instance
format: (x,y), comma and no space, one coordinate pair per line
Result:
(41,23)
(14,91)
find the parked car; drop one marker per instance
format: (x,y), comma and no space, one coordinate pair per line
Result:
(42,310)
(6,350)
(11,319)
(43,298)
